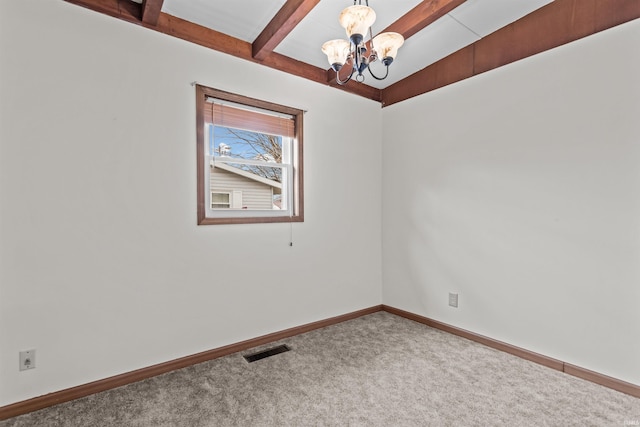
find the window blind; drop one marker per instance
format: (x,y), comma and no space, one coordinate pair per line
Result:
(255,121)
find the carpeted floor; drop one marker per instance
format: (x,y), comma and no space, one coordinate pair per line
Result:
(377,370)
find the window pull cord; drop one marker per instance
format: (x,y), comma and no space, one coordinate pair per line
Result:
(290,232)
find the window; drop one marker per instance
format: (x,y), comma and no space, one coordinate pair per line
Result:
(227,200)
(220,200)
(249,160)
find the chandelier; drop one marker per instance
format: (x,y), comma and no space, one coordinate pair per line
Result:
(357,53)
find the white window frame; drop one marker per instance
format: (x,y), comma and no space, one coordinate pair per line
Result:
(287,166)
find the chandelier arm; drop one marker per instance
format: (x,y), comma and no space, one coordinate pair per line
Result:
(341,82)
(344,82)
(376,77)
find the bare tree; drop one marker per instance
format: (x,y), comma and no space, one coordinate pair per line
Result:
(255,146)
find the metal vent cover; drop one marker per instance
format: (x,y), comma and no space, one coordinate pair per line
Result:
(266,353)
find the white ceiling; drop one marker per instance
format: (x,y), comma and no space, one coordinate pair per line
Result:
(245,19)
(242,19)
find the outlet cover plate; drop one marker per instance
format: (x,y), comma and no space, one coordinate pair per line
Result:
(27,360)
(453,299)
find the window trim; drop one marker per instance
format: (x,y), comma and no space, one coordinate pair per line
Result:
(202,93)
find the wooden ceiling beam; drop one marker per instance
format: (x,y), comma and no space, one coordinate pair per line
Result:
(422,15)
(560,22)
(122,9)
(455,67)
(132,12)
(151,11)
(553,25)
(221,42)
(290,15)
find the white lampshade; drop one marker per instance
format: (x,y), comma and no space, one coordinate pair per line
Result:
(387,45)
(357,19)
(336,51)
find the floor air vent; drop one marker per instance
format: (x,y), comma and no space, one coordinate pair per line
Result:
(266,353)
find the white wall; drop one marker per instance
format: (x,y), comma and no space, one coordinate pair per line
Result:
(103,269)
(517,188)
(520,189)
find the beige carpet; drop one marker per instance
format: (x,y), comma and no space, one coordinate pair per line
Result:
(377,370)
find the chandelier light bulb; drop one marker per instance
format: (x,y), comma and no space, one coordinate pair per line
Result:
(356,20)
(337,52)
(387,45)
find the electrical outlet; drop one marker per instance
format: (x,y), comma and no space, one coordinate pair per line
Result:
(453,300)
(27,360)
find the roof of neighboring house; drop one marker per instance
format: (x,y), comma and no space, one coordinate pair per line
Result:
(247,174)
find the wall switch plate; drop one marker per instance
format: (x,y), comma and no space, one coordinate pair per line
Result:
(27,360)
(453,299)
